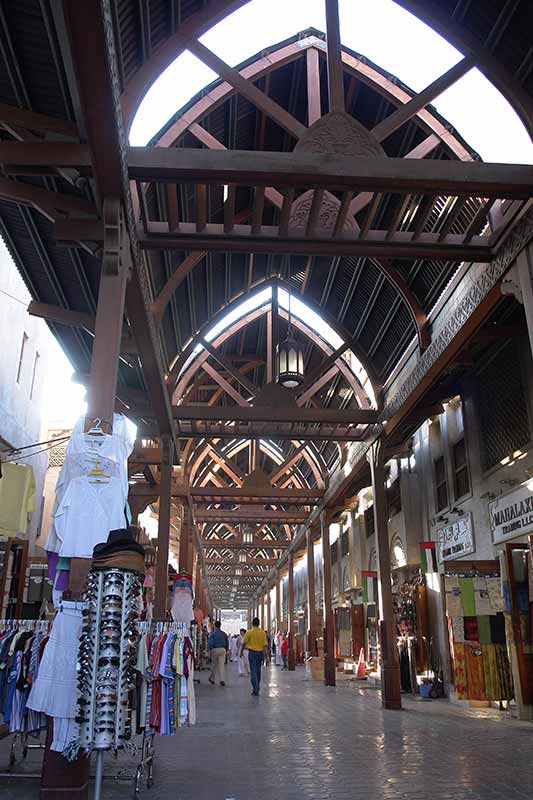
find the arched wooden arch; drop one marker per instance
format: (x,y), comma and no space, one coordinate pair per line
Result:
(185,368)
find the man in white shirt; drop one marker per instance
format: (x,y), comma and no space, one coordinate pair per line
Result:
(244,667)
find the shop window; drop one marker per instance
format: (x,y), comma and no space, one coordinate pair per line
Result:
(461,479)
(333,552)
(394,498)
(21,356)
(441,485)
(369,521)
(345,579)
(345,543)
(501,402)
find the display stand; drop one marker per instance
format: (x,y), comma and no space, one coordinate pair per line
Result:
(106,663)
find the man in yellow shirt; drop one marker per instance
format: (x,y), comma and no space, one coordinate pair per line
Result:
(256,642)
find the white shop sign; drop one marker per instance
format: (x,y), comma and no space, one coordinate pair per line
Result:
(512,514)
(457,539)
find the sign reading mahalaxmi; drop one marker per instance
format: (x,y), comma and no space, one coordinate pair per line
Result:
(512,514)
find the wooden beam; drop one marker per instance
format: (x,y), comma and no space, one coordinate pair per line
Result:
(373,243)
(225,384)
(260,562)
(324,366)
(33,121)
(314,111)
(178,276)
(248,90)
(75,319)
(476,178)
(45,200)
(228,366)
(231,544)
(335,67)
(289,462)
(37,156)
(406,112)
(357,416)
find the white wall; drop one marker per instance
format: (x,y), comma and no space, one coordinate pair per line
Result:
(22,417)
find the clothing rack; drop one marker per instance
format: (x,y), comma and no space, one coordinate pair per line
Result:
(40,626)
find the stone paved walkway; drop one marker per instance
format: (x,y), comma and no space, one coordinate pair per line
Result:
(303,741)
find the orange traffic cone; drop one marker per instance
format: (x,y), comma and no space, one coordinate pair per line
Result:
(361,666)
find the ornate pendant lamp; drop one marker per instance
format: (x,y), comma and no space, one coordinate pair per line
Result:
(290,359)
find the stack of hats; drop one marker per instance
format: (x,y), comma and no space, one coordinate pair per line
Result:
(121,551)
(182,598)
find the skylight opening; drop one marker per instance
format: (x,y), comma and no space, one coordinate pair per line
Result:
(382,31)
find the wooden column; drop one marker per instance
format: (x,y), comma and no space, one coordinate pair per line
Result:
(268,611)
(278,602)
(290,614)
(335,70)
(108,326)
(185,554)
(390,668)
(311,602)
(329,622)
(163,530)
(250,614)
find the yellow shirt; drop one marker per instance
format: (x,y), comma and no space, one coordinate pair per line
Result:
(17,498)
(255,639)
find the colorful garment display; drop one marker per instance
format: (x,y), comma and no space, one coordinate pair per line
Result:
(21,651)
(165,691)
(17,498)
(478,640)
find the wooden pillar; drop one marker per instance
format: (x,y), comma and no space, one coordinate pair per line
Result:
(329,632)
(107,333)
(186,552)
(268,611)
(311,602)
(390,668)
(278,602)
(250,614)
(290,614)
(335,69)
(163,529)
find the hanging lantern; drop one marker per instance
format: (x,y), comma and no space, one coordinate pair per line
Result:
(290,363)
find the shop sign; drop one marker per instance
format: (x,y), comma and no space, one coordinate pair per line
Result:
(512,514)
(456,539)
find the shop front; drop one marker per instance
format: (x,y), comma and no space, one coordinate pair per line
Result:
(511,520)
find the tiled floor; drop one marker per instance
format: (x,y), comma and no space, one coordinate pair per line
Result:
(303,741)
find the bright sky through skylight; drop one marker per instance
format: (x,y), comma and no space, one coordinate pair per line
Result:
(387,34)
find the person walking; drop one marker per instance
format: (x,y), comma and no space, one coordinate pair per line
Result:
(244,665)
(218,645)
(255,641)
(285,650)
(234,652)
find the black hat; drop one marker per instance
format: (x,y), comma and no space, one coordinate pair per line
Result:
(117,541)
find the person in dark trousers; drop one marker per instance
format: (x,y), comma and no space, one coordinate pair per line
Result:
(218,645)
(256,642)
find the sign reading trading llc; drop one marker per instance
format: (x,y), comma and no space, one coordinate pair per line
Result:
(456,539)
(511,515)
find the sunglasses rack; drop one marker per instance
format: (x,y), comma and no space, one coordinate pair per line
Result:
(106,660)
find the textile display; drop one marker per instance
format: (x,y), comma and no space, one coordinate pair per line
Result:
(475,675)
(54,691)
(21,652)
(467,596)
(92,489)
(17,498)
(454,604)
(477,638)
(165,691)
(481,596)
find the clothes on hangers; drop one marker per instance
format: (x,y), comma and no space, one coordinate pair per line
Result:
(21,649)
(54,692)
(17,498)
(165,689)
(92,489)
